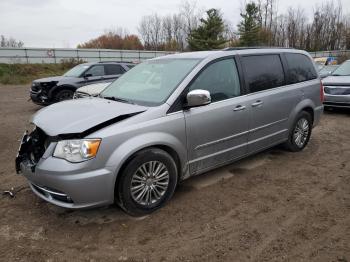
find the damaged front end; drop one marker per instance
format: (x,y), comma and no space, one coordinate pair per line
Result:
(31,149)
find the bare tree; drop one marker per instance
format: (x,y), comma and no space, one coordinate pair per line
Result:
(327,29)
(10,42)
(191,14)
(179,33)
(151,31)
(145,31)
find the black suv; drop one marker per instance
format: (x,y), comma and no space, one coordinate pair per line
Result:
(49,90)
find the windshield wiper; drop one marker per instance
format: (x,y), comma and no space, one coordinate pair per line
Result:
(340,75)
(117,99)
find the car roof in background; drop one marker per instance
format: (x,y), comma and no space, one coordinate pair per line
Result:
(109,62)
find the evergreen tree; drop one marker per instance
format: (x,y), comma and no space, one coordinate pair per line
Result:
(250,27)
(209,34)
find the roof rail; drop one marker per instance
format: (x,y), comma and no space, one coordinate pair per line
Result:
(255,47)
(123,62)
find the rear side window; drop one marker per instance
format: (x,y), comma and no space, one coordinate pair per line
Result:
(220,79)
(263,72)
(300,68)
(114,70)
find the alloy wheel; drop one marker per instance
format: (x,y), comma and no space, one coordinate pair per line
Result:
(149,183)
(301,132)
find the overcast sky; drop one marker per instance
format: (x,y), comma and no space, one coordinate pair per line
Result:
(65,23)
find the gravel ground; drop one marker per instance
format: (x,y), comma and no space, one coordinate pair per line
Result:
(274,206)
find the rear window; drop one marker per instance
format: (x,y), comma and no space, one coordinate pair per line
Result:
(263,72)
(300,68)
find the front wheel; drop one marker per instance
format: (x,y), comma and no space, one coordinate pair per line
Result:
(147,182)
(300,133)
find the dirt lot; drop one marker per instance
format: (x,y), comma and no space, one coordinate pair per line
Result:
(271,207)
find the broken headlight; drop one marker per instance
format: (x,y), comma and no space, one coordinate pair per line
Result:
(77,150)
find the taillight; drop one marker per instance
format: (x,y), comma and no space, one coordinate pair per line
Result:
(321,92)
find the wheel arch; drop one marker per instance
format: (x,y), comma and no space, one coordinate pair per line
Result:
(165,148)
(311,111)
(56,89)
(305,105)
(170,144)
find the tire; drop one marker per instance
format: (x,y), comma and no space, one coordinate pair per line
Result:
(134,183)
(300,132)
(63,95)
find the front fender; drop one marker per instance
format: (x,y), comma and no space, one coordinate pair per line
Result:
(125,150)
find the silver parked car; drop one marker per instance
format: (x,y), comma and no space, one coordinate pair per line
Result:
(337,87)
(168,119)
(327,70)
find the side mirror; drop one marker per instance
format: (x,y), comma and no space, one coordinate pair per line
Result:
(87,75)
(198,97)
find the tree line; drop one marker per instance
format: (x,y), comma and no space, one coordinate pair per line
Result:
(261,25)
(328,28)
(192,28)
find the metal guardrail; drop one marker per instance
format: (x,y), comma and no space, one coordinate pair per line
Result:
(56,55)
(334,53)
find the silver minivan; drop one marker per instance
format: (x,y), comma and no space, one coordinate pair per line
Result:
(168,119)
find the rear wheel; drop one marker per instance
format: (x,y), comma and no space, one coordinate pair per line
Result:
(300,134)
(147,182)
(64,94)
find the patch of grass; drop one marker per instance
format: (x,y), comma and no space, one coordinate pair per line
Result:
(14,74)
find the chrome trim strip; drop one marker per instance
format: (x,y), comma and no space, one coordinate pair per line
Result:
(221,140)
(343,87)
(266,137)
(216,153)
(238,135)
(49,191)
(268,125)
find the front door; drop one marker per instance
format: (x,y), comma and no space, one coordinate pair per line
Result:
(95,74)
(217,133)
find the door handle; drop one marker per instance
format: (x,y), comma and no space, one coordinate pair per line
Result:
(239,108)
(257,103)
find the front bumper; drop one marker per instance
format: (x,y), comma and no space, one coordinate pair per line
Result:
(74,186)
(335,96)
(337,100)
(39,98)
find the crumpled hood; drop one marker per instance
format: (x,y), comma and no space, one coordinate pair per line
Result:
(77,116)
(93,89)
(336,81)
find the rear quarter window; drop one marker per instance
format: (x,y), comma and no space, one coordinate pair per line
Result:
(114,70)
(263,72)
(300,68)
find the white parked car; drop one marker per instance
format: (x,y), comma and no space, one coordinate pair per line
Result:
(90,90)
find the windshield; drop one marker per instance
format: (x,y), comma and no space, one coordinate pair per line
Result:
(328,69)
(151,82)
(76,71)
(343,69)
